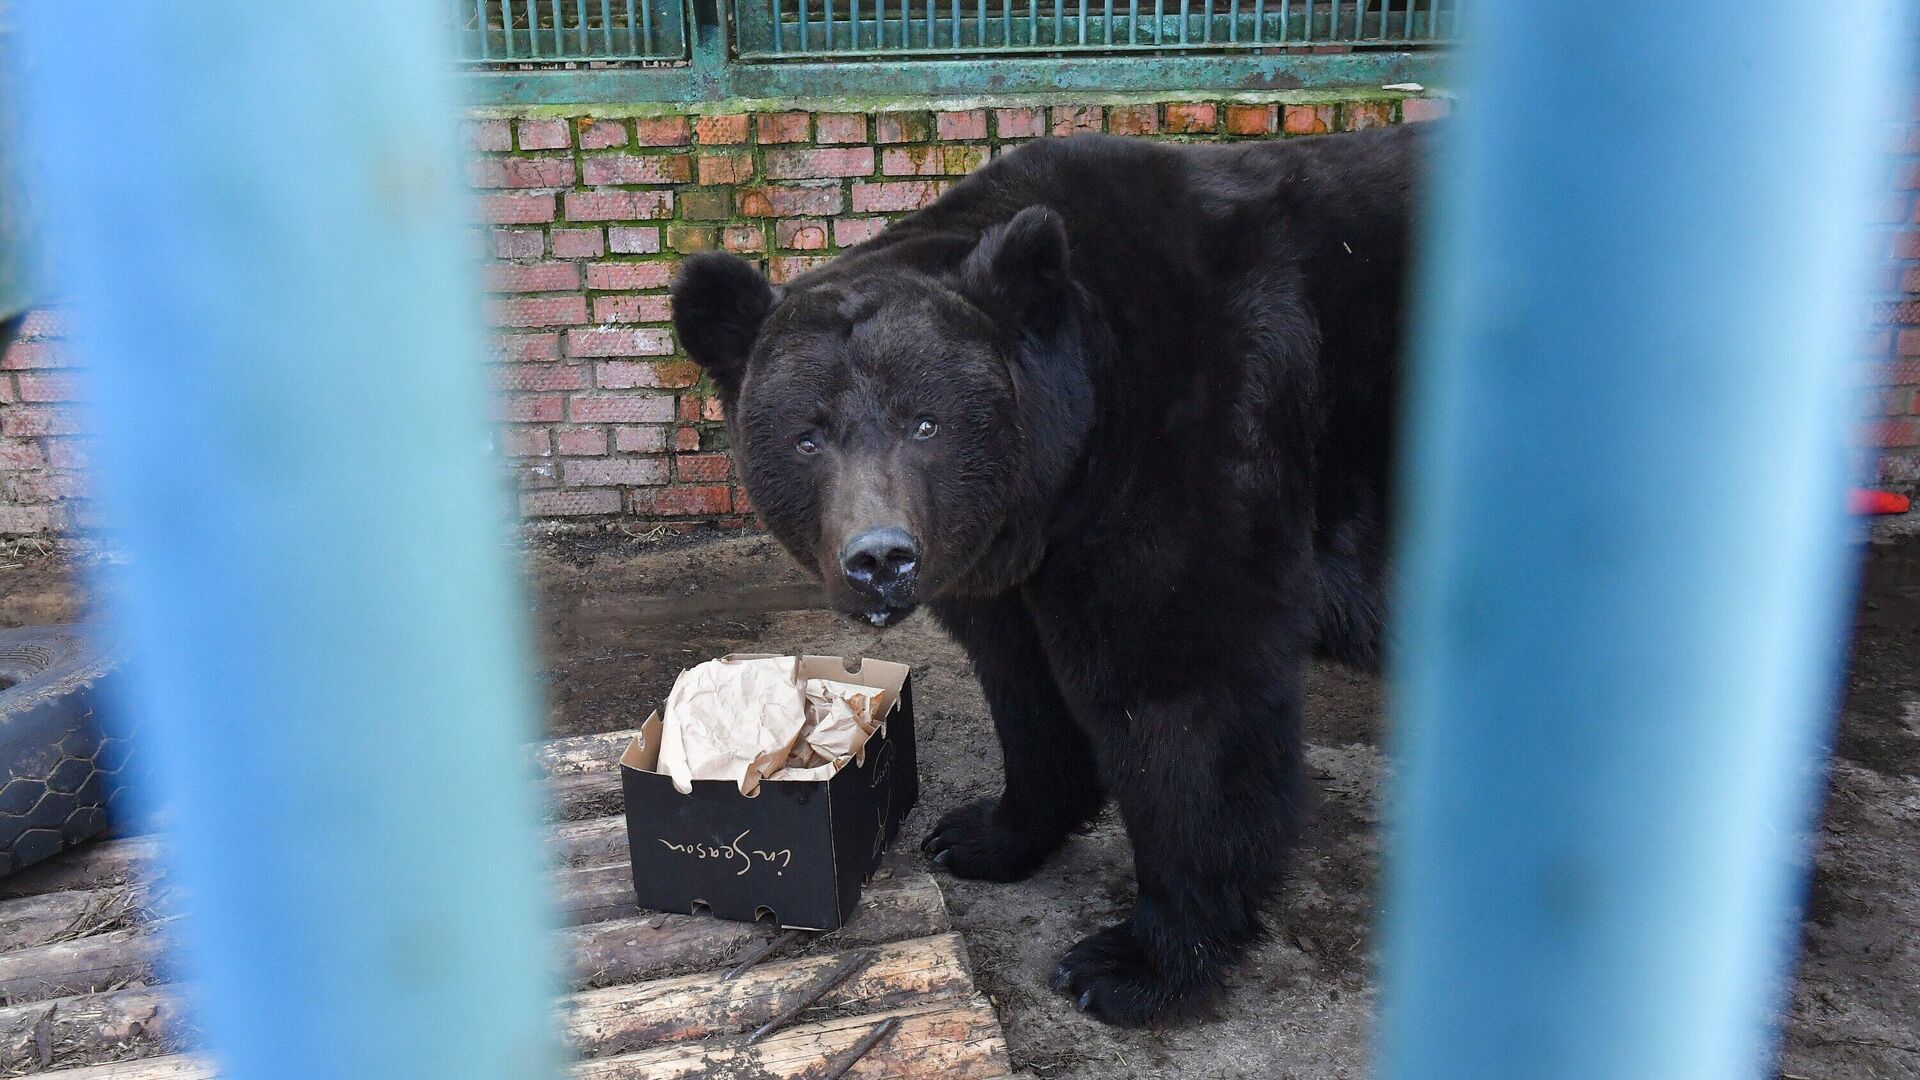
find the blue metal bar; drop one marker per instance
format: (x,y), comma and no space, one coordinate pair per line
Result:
(1625,571)
(337,722)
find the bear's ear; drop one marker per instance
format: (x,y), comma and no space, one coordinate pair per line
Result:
(1020,270)
(719,302)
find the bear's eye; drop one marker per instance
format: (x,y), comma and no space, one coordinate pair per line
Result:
(924,428)
(807,444)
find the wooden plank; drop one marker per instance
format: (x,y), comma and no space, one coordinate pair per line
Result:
(93,1027)
(601,953)
(582,770)
(944,1040)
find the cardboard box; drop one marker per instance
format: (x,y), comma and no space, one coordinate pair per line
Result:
(798,851)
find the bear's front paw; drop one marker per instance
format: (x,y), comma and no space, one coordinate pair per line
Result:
(974,842)
(1111,977)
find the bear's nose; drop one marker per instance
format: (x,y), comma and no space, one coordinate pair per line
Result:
(880,562)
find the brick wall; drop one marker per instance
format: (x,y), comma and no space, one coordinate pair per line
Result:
(586,214)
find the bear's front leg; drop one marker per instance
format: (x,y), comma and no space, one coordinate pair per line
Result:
(1209,784)
(1052,781)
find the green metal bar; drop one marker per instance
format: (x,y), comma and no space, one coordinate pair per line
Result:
(559,31)
(956,24)
(1133,22)
(1307,29)
(1108,39)
(480,23)
(983,22)
(580,31)
(1183,21)
(606,26)
(1233,22)
(506,27)
(1033,22)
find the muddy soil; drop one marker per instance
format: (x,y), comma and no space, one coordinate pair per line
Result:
(618,617)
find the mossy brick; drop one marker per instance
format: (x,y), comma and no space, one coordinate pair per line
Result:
(542,134)
(743,239)
(519,172)
(784,127)
(526,442)
(569,503)
(833,129)
(581,441)
(782,268)
(686,438)
(725,168)
(531,277)
(618,205)
(539,378)
(687,239)
(526,348)
(1308,119)
(621,472)
(817,164)
(620,308)
(1133,119)
(592,134)
(706,204)
(608,169)
(661,131)
(1252,119)
(1192,118)
(961,126)
(640,438)
(530,408)
(1361,115)
(531,311)
(800,234)
(517,208)
(594,342)
(628,276)
(1075,119)
(700,467)
(784,200)
(578,244)
(518,243)
(932,160)
(902,127)
(850,231)
(1418,110)
(619,409)
(636,239)
(895,196)
(494,135)
(645,374)
(684,501)
(720,130)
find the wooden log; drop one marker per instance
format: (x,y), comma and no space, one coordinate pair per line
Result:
(96,1027)
(583,771)
(600,953)
(946,1040)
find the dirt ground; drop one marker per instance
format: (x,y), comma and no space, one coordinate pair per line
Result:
(620,616)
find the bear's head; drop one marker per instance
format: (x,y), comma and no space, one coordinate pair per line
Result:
(903,416)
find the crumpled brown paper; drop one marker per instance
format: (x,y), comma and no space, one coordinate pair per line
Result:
(753,720)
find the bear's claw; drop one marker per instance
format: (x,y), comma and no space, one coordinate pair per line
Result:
(973,842)
(1110,977)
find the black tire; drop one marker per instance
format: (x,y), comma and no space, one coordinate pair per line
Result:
(64,774)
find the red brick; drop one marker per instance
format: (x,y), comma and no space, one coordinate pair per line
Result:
(790,201)
(543,134)
(1309,119)
(578,244)
(1420,110)
(899,127)
(741,504)
(1892,208)
(619,409)
(618,205)
(487,135)
(581,442)
(1889,434)
(568,503)
(787,267)
(801,234)
(40,387)
(537,277)
(631,309)
(539,311)
(649,439)
(24,454)
(660,131)
(889,197)
(710,410)
(932,160)
(850,231)
(531,408)
(788,127)
(1908,343)
(1360,115)
(1878,343)
(1195,118)
(519,172)
(687,239)
(726,168)
(689,408)
(717,130)
(700,467)
(645,374)
(817,164)
(24,355)
(743,239)
(44,323)
(960,126)
(1133,119)
(518,243)
(628,276)
(601,134)
(1889,401)
(686,438)
(1906,245)
(618,341)
(525,442)
(1020,123)
(540,378)
(1075,119)
(633,240)
(1910,280)
(524,348)
(33,421)
(837,128)
(1252,119)
(689,501)
(70,453)
(519,208)
(1897,373)
(8,395)
(635,169)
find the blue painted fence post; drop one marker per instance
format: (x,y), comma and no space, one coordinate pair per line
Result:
(259,217)
(1624,581)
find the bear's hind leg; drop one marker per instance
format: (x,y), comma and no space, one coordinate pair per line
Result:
(1211,798)
(1052,783)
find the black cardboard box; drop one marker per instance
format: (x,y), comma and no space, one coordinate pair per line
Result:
(798,851)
